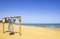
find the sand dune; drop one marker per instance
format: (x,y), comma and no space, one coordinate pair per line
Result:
(31,32)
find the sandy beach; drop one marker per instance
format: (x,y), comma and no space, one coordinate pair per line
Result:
(30,32)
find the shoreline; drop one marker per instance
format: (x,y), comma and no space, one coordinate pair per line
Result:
(38,26)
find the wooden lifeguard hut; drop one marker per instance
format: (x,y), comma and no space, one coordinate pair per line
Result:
(4,21)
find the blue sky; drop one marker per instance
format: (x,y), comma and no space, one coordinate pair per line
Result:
(32,11)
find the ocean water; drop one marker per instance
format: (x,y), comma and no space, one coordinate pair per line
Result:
(52,25)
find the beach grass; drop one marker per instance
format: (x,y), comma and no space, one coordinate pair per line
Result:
(30,32)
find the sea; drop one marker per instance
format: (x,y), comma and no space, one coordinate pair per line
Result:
(52,25)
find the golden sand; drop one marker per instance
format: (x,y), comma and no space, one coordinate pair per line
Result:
(31,32)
